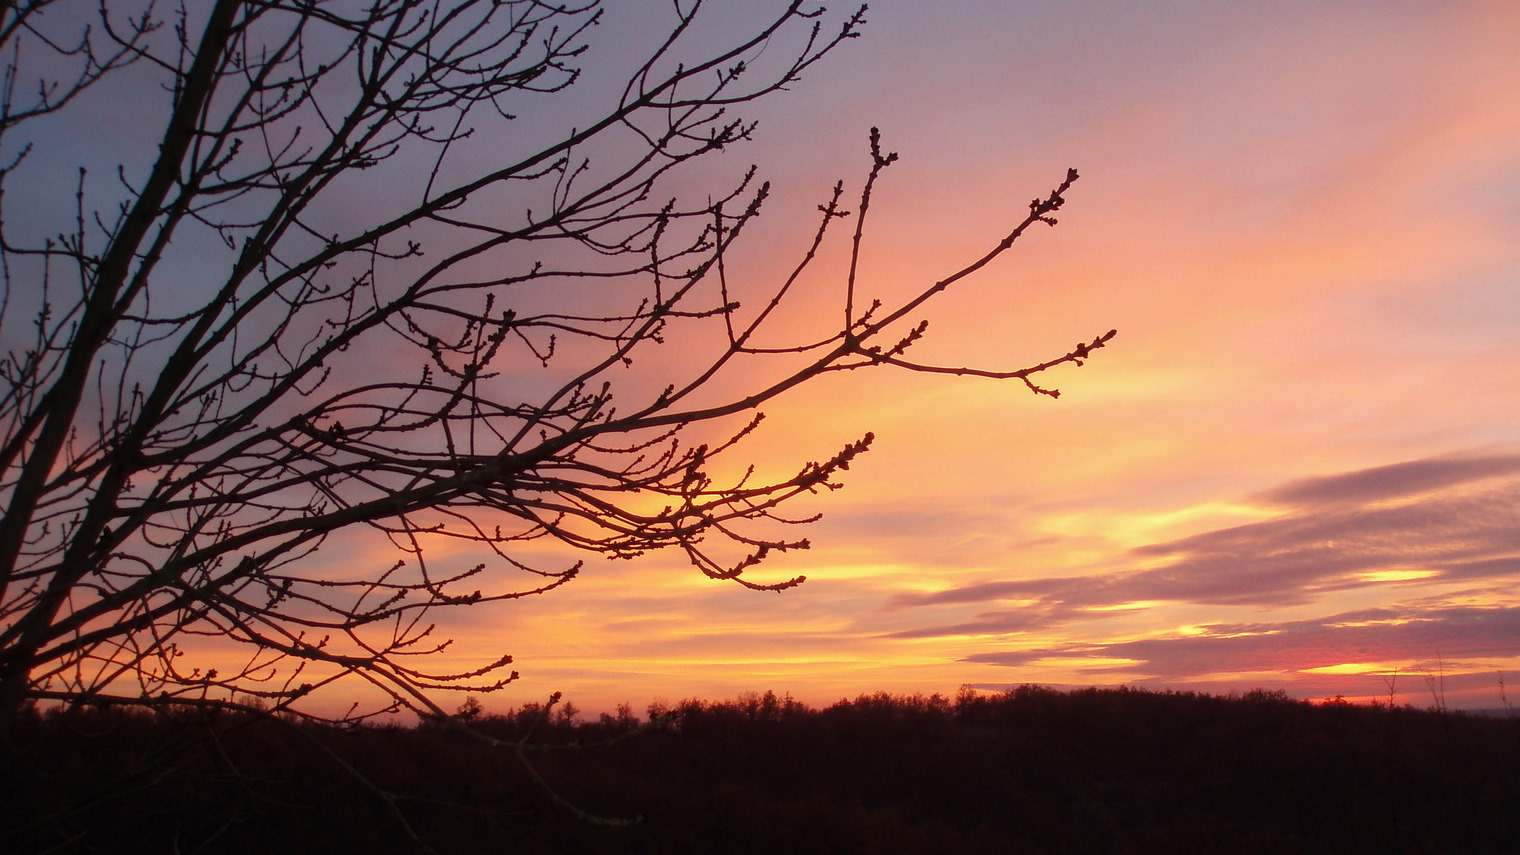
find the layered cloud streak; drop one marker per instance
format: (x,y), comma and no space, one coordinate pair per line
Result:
(1431,545)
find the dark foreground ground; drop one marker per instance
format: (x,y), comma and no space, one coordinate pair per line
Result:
(1034,770)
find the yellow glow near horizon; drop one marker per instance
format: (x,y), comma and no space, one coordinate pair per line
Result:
(1380,668)
(1126,607)
(1084,663)
(1396,575)
(1131,529)
(1363,623)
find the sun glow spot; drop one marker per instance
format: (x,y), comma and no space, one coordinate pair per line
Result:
(1349,668)
(1138,529)
(1365,623)
(1194,630)
(727,662)
(1126,607)
(1396,575)
(903,576)
(1104,662)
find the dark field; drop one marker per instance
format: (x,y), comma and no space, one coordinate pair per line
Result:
(1033,770)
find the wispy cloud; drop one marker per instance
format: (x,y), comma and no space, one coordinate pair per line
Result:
(1368,636)
(1382,483)
(1422,524)
(1339,530)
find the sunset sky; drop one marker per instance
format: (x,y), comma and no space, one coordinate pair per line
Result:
(1298,466)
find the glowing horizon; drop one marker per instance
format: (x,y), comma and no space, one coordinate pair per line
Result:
(1295,468)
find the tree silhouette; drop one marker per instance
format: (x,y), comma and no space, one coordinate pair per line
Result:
(376,273)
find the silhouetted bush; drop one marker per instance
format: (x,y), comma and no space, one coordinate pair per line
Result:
(1031,770)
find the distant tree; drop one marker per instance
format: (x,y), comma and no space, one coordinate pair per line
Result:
(361,265)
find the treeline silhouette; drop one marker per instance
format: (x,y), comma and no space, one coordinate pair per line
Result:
(1032,770)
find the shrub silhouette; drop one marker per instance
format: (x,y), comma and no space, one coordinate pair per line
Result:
(1030,770)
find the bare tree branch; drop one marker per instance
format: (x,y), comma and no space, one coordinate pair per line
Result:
(365,283)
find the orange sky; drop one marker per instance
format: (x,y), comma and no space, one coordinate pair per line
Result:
(1297,467)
